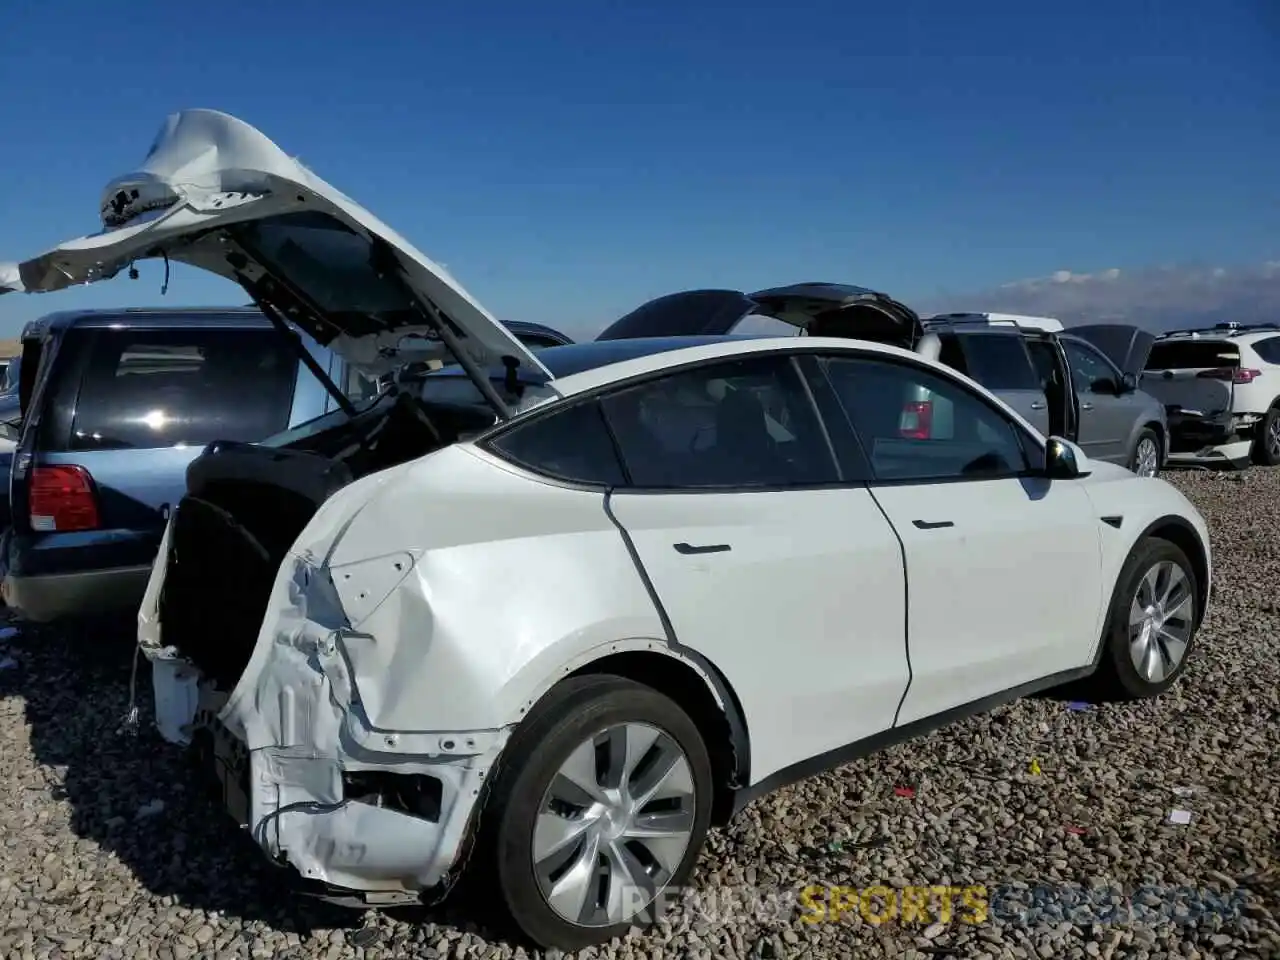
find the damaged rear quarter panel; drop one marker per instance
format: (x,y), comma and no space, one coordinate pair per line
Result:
(416,620)
(511,578)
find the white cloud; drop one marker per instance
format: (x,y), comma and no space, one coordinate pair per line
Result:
(1159,298)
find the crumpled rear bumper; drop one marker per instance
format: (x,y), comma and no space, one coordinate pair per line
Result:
(311,753)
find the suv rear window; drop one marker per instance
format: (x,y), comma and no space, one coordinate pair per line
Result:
(1192,355)
(150,389)
(999,361)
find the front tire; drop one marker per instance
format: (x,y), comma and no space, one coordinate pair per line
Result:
(598,815)
(1145,460)
(1151,624)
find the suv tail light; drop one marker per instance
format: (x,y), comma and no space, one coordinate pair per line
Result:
(62,498)
(916,420)
(1230,374)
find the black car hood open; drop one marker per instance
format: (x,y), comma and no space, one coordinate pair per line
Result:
(819,309)
(1127,346)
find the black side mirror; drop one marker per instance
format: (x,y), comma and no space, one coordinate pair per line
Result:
(1061,461)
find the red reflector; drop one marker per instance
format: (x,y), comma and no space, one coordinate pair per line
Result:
(1230,374)
(916,421)
(62,498)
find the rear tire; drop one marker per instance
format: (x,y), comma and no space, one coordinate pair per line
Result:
(1151,625)
(1266,448)
(581,779)
(1145,459)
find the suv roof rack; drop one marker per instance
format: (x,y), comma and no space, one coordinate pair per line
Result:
(1043,324)
(1230,328)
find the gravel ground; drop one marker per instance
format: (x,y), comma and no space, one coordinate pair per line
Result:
(108,852)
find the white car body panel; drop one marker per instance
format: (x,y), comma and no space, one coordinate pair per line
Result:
(360,665)
(979,585)
(835,670)
(206,170)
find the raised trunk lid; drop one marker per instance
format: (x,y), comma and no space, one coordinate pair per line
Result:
(820,309)
(216,193)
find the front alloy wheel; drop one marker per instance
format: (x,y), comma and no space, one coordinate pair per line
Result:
(1146,455)
(1160,622)
(1151,624)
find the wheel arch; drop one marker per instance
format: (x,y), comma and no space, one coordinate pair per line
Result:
(1183,535)
(702,691)
(1162,437)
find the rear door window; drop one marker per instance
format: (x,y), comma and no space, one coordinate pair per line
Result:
(999,361)
(151,389)
(740,423)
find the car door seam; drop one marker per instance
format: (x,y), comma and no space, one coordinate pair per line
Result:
(672,641)
(734,715)
(906,605)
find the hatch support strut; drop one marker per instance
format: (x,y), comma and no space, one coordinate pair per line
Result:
(385,262)
(254,289)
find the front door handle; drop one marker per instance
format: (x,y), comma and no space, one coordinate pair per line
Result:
(1037,405)
(931,524)
(689,548)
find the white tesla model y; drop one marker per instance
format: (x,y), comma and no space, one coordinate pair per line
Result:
(547,617)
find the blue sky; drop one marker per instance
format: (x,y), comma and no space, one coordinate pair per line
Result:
(568,160)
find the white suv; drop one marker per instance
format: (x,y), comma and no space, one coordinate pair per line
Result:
(1221,391)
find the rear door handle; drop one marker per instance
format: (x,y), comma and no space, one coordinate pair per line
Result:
(1037,405)
(931,524)
(1086,406)
(689,548)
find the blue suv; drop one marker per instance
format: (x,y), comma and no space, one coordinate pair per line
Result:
(114,405)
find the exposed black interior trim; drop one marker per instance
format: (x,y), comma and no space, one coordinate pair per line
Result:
(898,734)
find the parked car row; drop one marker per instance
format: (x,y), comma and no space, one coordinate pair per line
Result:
(362,624)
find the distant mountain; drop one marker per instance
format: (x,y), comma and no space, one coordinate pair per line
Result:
(1157,298)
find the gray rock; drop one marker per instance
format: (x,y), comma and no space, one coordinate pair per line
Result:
(75,862)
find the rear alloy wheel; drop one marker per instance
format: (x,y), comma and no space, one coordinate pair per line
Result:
(1151,624)
(598,818)
(1146,454)
(1266,448)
